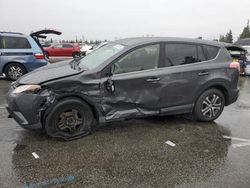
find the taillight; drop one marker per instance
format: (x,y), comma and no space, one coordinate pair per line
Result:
(235,65)
(39,55)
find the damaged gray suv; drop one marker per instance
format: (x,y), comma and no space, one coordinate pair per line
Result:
(125,79)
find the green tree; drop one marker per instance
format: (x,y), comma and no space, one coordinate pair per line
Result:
(222,38)
(228,38)
(246,32)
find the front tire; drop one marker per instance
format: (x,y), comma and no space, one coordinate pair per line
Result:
(13,71)
(209,105)
(70,119)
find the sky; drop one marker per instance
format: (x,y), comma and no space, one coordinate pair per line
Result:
(113,19)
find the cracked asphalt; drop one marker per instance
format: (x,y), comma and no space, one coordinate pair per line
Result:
(132,153)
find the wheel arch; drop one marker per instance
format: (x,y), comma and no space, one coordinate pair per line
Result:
(46,51)
(221,86)
(96,112)
(12,62)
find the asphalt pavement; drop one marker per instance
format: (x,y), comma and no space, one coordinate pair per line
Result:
(133,153)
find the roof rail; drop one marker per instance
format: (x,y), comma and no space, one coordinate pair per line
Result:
(11,32)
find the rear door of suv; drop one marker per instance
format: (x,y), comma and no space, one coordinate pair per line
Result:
(184,70)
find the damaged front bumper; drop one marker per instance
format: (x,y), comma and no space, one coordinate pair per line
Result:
(27,108)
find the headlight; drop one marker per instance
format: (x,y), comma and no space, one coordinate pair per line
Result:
(27,89)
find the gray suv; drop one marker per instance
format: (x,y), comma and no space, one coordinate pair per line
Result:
(125,79)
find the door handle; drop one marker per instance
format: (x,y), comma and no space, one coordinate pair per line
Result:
(153,79)
(203,73)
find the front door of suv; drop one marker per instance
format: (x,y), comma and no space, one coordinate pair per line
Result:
(133,89)
(184,71)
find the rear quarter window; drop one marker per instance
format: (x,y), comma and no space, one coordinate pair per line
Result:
(211,51)
(9,42)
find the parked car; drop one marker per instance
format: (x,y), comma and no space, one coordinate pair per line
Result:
(125,79)
(21,53)
(45,44)
(95,47)
(245,43)
(239,54)
(85,48)
(63,49)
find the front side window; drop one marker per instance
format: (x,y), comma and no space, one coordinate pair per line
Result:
(181,54)
(15,43)
(140,59)
(58,46)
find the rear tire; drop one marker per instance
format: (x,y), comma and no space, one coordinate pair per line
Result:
(209,105)
(70,119)
(13,71)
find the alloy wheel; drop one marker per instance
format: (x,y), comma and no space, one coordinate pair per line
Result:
(211,106)
(15,72)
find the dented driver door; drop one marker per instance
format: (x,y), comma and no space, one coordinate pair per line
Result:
(133,88)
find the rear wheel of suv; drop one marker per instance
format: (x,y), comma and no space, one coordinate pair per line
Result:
(209,105)
(13,71)
(70,119)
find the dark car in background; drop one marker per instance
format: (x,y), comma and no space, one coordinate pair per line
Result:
(20,53)
(63,50)
(129,78)
(239,54)
(245,43)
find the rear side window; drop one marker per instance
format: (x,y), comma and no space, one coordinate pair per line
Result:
(181,54)
(211,51)
(67,46)
(15,43)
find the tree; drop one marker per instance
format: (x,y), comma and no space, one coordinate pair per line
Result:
(222,38)
(246,32)
(228,38)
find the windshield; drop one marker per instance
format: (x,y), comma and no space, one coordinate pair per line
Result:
(100,55)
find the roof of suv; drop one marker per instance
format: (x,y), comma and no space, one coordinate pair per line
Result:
(3,33)
(145,40)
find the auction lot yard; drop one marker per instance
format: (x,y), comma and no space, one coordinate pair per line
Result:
(133,153)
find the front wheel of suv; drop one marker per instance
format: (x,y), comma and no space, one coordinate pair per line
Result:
(209,105)
(70,119)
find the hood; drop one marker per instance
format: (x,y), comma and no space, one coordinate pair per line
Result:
(49,73)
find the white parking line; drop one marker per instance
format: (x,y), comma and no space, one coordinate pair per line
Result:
(35,155)
(244,142)
(2,107)
(170,143)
